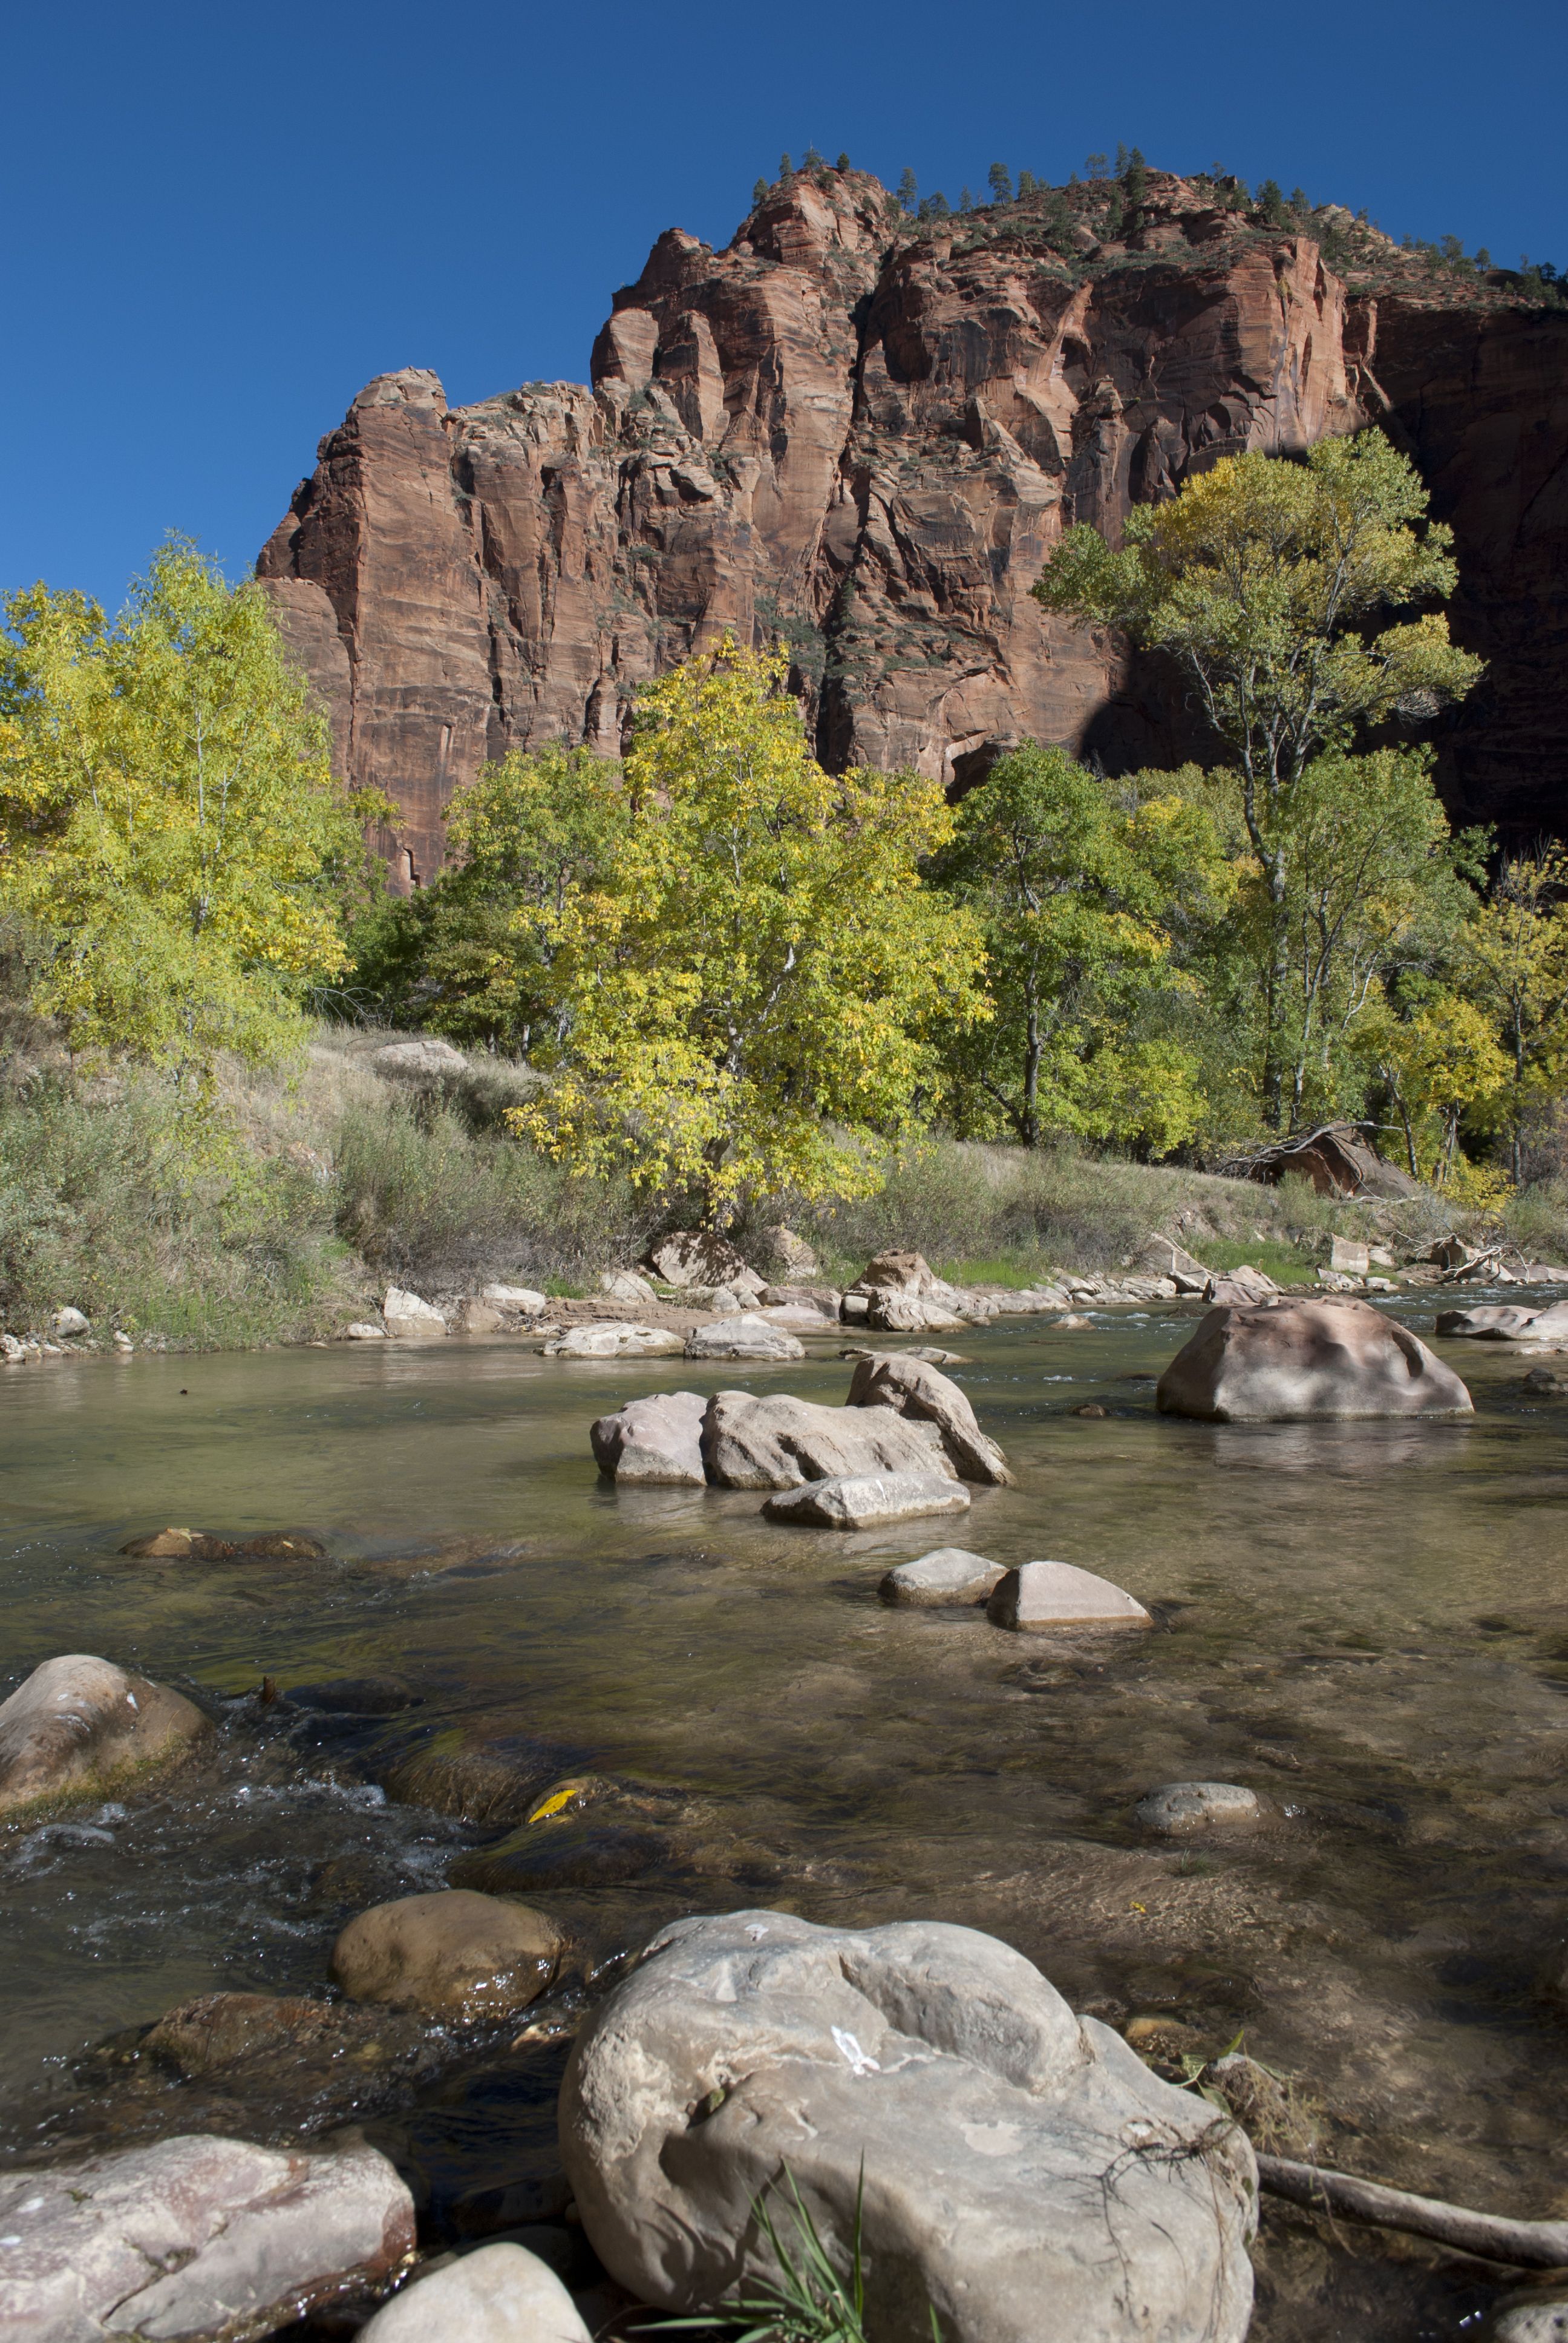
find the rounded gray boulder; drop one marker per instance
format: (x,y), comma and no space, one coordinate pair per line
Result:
(1013,2155)
(1301,1362)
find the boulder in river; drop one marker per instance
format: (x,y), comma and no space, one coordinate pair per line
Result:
(195,2238)
(947,1575)
(780,1442)
(656,1441)
(1013,2156)
(613,1338)
(453,1954)
(202,1545)
(1507,1321)
(223,2030)
(1041,1595)
(745,1335)
(80,1727)
(499,2294)
(1302,1361)
(915,1388)
(868,1501)
(1177,1807)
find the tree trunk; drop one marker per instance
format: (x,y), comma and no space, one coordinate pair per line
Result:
(1492,2237)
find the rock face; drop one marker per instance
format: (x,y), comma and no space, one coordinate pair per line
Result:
(502,2294)
(781,1441)
(452,1954)
(918,1390)
(1295,1361)
(80,1727)
(1013,2155)
(195,2238)
(867,436)
(656,1441)
(868,1501)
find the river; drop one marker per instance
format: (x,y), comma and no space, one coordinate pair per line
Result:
(1367,1624)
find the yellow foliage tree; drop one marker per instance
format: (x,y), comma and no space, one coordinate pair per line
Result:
(1513,964)
(1438,1065)
(747,995)
(170,831)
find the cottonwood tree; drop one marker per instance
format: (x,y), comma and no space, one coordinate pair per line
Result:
(1272,585)
(171,836)
(1079,888)
(1512,962)
(753,986)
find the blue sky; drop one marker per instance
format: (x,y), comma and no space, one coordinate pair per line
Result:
(220,221)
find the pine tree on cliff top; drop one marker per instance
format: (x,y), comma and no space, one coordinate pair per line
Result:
(999,179)
(909,190)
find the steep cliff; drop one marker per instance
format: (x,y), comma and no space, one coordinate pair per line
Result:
(861,438)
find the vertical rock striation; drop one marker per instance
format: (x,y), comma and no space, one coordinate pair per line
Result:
(863,439)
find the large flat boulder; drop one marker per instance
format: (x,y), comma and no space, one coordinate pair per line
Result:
(780,1442)
(615,1338)
(1301,1362)
(453,1954)
(918,1390)
(868,1501)
(656,1441)
(501,2294)
(1506,1321)
(1024,2173)
(80,1727)
(745,1335)
(194,2240)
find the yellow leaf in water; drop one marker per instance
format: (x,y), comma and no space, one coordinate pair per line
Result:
(556,1801)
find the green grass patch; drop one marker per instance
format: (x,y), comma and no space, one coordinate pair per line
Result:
(1284,1262)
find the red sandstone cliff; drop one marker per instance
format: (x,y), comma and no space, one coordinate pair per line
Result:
(863,439)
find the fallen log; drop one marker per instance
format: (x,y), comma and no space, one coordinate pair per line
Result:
(1490,2236)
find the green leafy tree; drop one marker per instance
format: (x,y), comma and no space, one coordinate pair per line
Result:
(474,954)
(999,179)
(1269,584)
(1512,963)
(752,991)
(909,190)
(1079,889)
(170,831)
(1271,205)
(934,207)
(1437,1065)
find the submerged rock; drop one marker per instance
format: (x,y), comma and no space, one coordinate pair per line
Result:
(745,1335)
(358,1696)
(1012,2154)
(780,1442)
(656,1440)
(866,1501)
(453,1954)
(915,1388)
(1300,1361)
(613,1338)
(1041,1595)
(223,2030)
(202,1545)
(499,2294)
(80,1727)
(1178,1806)
(195,2239)
(947,1575)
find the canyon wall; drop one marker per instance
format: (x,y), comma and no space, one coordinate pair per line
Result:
(863,439)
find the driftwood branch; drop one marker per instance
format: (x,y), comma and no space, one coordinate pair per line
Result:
(1527,2245)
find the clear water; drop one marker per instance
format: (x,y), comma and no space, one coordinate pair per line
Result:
(1367,1624)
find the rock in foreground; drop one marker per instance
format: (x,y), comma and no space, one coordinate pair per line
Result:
(1302,1361)
(656,1441)
(453,1954)
(868,1501)
(194,2238)
(80,1727)
(948,1574)
(1041,1595)
(1013,2156)
(502,2294)
(745,1335)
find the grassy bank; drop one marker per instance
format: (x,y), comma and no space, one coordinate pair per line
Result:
(338,1182)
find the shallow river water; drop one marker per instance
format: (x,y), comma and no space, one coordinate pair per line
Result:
(1368,1625)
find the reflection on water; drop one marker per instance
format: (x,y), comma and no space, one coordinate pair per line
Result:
(1369,1624)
